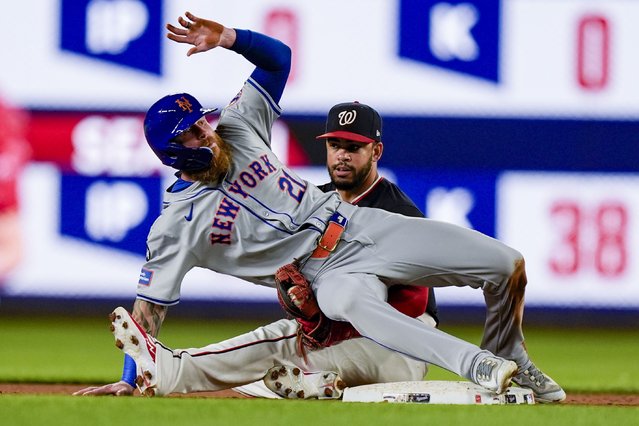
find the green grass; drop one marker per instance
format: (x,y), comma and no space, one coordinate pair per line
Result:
(73,350)
(82,351)
(33,410)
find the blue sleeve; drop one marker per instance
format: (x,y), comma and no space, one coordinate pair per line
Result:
(271,57)
(129,371)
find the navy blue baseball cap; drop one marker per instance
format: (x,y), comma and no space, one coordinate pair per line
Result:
(168,118)
(353,121)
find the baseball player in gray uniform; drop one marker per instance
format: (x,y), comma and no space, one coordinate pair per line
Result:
(236,209)
(243,360)
(352,164)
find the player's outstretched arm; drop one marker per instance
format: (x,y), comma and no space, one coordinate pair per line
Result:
(120,388)
(203,34)
(148,315)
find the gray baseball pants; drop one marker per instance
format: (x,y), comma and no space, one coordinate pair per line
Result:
(380,247)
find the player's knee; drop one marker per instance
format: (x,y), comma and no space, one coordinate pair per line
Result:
(518,280)
(511,262)
(336,303)
(510,273)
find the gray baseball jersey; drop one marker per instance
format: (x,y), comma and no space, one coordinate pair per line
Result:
(262,216)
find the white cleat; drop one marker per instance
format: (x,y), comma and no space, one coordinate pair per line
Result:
(495,374)
(544,388)
(131,338)
(293,383)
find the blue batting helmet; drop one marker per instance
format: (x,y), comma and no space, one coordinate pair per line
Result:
(168,118)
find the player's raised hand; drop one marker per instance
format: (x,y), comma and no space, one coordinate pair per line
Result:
(203,34)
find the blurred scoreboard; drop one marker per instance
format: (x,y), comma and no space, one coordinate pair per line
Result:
(569,58)
(517,118)
(579,233)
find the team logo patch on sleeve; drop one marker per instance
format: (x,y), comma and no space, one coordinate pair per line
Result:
(145,277)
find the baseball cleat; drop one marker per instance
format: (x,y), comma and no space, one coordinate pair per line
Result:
(495,374)
(131,338)
(544,388)
(293,383)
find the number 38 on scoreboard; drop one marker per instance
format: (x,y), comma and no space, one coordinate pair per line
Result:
(579,233)
(589,236)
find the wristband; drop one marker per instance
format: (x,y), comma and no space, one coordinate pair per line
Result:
(129,370)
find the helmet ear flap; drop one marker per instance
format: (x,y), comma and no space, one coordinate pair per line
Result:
(187,159)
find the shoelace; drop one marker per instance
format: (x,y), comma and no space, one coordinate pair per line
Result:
(536,375)
(485,369)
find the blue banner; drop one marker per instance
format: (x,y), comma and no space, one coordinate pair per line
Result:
(114,212)
(457,35)
(123,32)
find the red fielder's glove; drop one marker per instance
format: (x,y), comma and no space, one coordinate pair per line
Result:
(294,292)
(296,296)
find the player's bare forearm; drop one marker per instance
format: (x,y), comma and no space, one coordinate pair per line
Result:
(149,315)
(203,34)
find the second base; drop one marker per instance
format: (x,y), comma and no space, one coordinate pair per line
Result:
(436,392)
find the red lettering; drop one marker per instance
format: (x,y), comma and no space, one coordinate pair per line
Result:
(610,253)
(593,51)
(590,237)
(568,216)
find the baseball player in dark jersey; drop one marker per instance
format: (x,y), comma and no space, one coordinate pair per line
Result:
(236,209)
(351,160)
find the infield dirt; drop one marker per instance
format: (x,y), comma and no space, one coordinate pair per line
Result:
(67,389)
